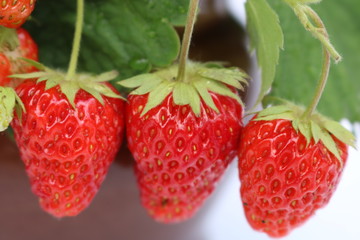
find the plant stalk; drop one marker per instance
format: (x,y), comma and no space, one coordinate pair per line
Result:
(77,40)
(189,28)
(325,66)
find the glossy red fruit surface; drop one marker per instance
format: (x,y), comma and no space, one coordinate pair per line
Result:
(4,69)
(66,152)
(13,13)
(27,49)
(284,181)
(180,157)
(10,62)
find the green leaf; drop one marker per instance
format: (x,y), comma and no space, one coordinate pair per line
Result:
(34,63)
(94,93)
(222,90)
(232,77)
(148,86)
(195,102)
(182,93)
(274,110)
(20,104)
(330,144)
(131,36)
(340,132)
(300,63)
(7,104)
(139,80)
(285,115)
(30,75)
(267,38)
(205,95)
(315,131)
(106,76)
(157,96)
(106,91)
(70,89)
(295,124)
(305,129)
(50,84)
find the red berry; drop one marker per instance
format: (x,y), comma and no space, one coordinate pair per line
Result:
(4,69)
(27,49)
(66,151)
(13,13)
(9,60)
(284,180)
(180,157)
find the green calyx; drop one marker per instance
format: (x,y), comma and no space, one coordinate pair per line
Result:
(8,39)
(199,80)
(316,127)
(93,84)
(8,100)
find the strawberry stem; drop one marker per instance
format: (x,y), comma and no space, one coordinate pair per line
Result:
(325,66)
(77,40)
(189,28)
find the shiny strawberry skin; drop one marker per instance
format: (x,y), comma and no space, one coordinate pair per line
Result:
(180,157)
(66,152)
(10,62)
(4,70)
(14,13)
(27,49)
(284,181)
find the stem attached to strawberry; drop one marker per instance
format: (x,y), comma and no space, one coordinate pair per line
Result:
(327,53)
(321,85)
(189,28)
(77,40)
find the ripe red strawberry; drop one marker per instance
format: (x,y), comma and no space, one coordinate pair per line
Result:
(181,150)
(67,151)
(27,49)
(13,13)
(286,177)
(9,58)
(183,126)
(4,69)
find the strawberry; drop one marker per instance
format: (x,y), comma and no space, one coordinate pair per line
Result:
(183,126)
(289,167)
(13,13)
(9,57)
(4,69)
(69,131)
(67,146)
(180,157)
(182,146)
(27,49)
